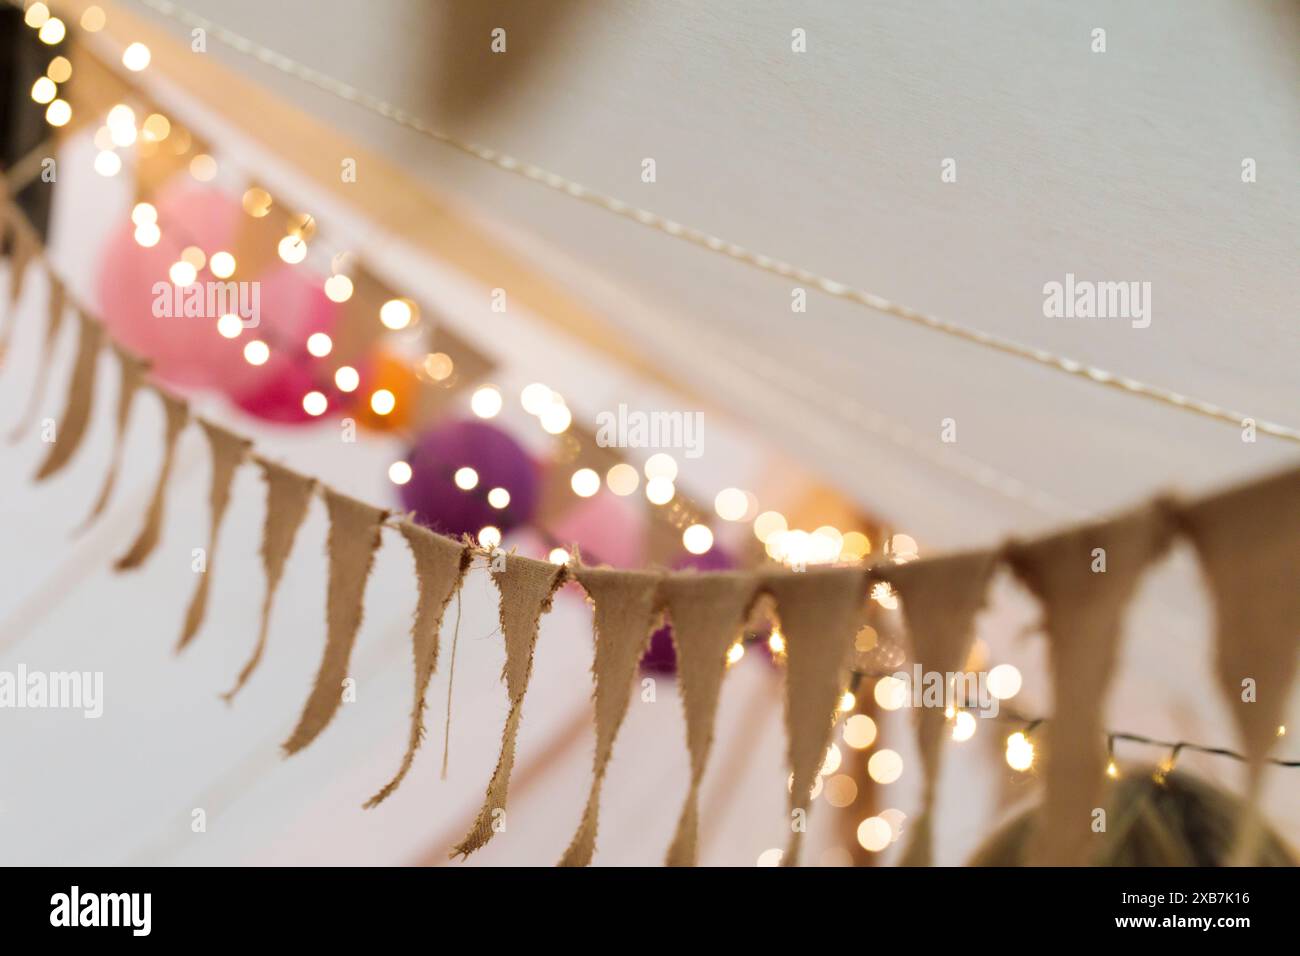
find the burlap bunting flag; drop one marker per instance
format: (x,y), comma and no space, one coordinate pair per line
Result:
(527,587)
(940,600)
(627,606)
(53,324)
(1084,579)
(228,451)
(131,371)
(81,394)
(1248,540)
(288,494)
(707,613)
(354,538)
(440,566)
(177,415)
(819,611)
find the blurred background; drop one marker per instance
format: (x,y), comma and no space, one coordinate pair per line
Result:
(464,317)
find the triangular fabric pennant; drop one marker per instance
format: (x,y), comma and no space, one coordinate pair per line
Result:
(1248,540)
(81,394)
(627,605)
(940,600)
(228,451)
(440,566)
(1084,578)
(288,495)
(354,538)
(819,612)
(132,372)
(177,414)
(53,324)
(707,613)
(527,587)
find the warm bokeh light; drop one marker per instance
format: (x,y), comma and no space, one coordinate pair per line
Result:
(292,250)
(52,31)
(841,790)
(438,366)
(143,213)
(229,326)
(831,762)
(399,472)
(318,343)
(396,314)
(59,69)
(182,273)
(1004,681)
(660,491)
(768,524)
(315,403)
(556,418)
(338,288)
(1020,752)
(770,857)
(93,19)
(622,479)
(44,90)
(382,401)
(859,731)
(204,168)
(489,537)
(731,504)
(661,465)
(848,700)
(108,163)
(963,726)
(257,352)
(222,265)
(535,397)
(58,113)
(585,482)
(735,653)
(885,766)
(256,202)
(874,834)
(866,639)
(697,539)
(465,478)
(486,402)
(890,693)
(147,234)
(194,256)
(346,378)
(776,642)
(156,128)
(558,556)
(36,15)
(136,57)
(499,498)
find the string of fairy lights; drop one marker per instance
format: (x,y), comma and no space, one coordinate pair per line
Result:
(123,129)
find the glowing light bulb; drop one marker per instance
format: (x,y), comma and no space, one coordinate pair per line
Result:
(558,556)
(399,472)
(1020,752)
(735,653)
(257,352)
(319,344)
(315,403)
(847,701)
(382,401)
(136,57)
(776,642)
(292,250)
(963,727)
(697,539)
(347,378)
(1112,770)
(465,478)
(486,401)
